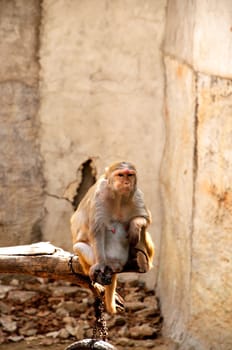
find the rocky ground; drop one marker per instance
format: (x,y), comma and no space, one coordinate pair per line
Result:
(38,313)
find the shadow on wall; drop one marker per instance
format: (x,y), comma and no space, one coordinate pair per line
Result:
(86,177)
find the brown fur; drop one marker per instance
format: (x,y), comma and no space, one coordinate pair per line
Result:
(113,200)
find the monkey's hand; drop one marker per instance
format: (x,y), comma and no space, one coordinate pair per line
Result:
(101,274)
(135,228)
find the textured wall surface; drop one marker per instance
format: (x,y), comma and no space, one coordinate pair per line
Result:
(199,33)
(21,200)
(85,82)
(101,97)
(196,249)
(177,194)
(211,280)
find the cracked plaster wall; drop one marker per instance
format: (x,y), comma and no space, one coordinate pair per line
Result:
(101,98)
(195,275)
(79,80)
(101,95)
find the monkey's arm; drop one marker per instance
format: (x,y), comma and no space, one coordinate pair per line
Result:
(98,244)
(141,255)
(97,225)
(141,247)
(139,207)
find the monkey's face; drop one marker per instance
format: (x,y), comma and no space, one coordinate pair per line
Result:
(124,181)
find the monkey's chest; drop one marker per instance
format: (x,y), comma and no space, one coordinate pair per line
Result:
(122,215)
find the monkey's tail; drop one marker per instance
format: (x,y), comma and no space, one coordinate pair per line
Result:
(150,249)
(110,301)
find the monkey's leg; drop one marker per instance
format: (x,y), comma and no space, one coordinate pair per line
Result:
(110,291)
(85,254)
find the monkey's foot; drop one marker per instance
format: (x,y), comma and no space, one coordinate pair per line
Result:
(101,274)
(138,261)
(142,262)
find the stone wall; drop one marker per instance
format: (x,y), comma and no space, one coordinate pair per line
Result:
(21,180)
(195,268)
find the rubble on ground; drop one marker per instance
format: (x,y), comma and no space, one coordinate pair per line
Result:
(55,312)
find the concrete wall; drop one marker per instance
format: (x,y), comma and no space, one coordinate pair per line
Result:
(21,180)
(101,83)
(79,80)
(86,81)
(195,268)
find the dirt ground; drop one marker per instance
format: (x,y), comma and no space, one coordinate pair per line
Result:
(42,314)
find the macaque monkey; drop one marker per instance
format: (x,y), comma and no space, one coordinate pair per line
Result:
(110,221)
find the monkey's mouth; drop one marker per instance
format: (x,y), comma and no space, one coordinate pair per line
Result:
(126,189)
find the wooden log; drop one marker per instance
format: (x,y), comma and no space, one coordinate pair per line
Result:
(43,260)
(31,249)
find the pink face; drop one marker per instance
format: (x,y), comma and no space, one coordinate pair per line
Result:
(124,180)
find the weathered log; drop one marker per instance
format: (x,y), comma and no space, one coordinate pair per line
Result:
(47,261)
(43,260)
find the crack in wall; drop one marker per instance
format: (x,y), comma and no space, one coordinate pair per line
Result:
(55,196)
(195,150)
(75,191)
(195,172)
(86,177)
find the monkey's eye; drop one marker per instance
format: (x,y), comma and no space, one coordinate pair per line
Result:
(120,174)
(130,174)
